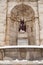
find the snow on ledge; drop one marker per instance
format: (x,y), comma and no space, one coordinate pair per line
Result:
(21,46)
(21,62)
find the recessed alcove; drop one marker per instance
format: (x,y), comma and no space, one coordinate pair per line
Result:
(22,15)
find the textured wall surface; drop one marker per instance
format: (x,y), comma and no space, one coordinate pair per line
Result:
(8,29)
(11,11)
(40,5)
(14,17)
(2,21)
(20,54)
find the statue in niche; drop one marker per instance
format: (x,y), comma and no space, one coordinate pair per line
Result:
(22,27)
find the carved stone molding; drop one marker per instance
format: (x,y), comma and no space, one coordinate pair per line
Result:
(22,11)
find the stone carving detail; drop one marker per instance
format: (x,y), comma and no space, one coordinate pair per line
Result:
(22,26)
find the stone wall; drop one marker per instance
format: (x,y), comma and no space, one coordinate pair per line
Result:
(3,9)
(20,54)
(11,5)
(40,7)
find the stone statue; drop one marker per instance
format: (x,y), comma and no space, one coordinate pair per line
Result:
(22,26)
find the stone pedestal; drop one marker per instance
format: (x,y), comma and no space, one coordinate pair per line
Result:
(22,38)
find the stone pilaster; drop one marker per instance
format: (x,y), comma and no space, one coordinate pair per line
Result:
(3,4)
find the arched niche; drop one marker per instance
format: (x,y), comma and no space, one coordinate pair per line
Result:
(26,13)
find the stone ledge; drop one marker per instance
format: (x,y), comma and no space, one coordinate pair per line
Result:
(21,62)
(21,46)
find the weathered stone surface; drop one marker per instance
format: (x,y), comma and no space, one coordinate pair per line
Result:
(22,38)
(17,16)
(26,54)
(1,54)
(11,53)
(11,11)
(7,7)
(2,21)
